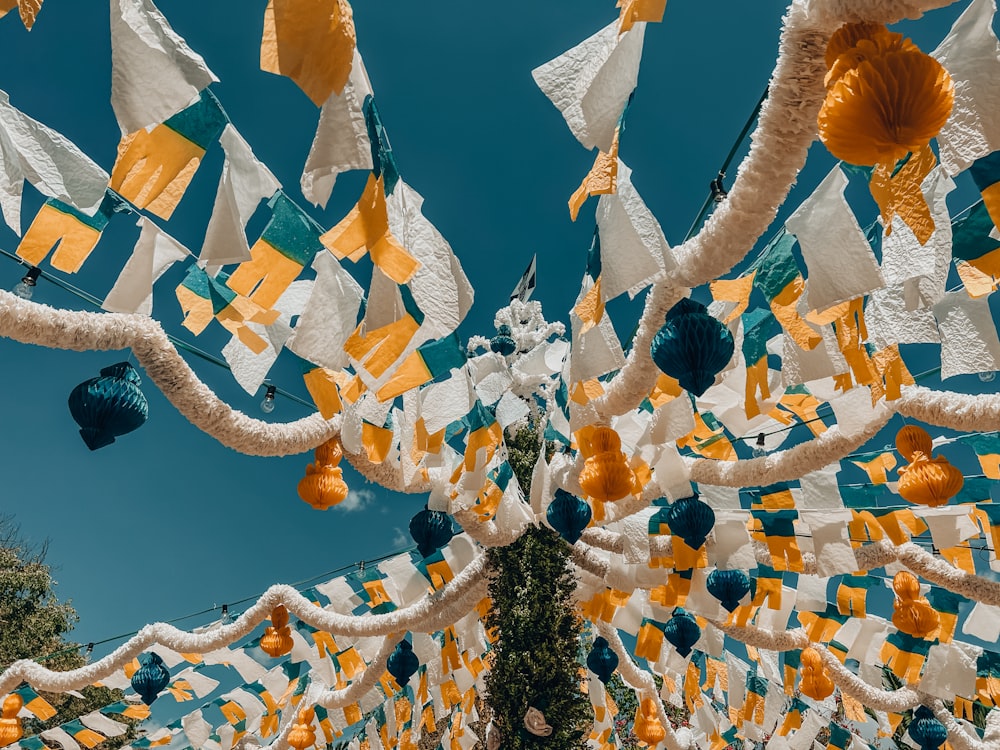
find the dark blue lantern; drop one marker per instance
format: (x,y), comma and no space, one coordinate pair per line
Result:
(728,586)
(602,660)
(402,663)
(682,632)
(503,343)
(692,346)
(108,406)
(431,530)
(691,520)
(150,679)
(568,515)
(926,730)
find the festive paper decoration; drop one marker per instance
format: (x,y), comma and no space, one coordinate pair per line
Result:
(606,475)
(912,614)
(431,530)
(885,98)
(534,722)
(682,631)
(691,519)
(692,346)
(323,486)
(403,663)
(925,480)
(568,515)
(502,343)
(648,727)
(926,730)
(815,683)
(303,735)
(10,724)
(277,639)
(728,586)
(601,660)
(109,406)
(150,679)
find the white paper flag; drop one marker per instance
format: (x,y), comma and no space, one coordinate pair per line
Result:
(969,342)
(971,54)
(155,251)
(841,263)
(591,83)
(154,74)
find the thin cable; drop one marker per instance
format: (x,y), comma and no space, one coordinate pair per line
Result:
(179,343)
(297,585)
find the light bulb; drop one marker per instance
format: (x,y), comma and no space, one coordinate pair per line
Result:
(26,286)
(759,450)
(267,405)
(988,377)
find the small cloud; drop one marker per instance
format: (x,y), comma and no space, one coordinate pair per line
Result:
(399,539)
(356,500)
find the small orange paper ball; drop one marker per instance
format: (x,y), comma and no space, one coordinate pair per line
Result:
(303,735)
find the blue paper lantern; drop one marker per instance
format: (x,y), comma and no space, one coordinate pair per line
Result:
(728,586)
(109,406)
(682,632)
(503,343)
(150,679)
(402,663)
(431,530)
(568,515)
(602,660)
(691,520)
(926,730)
(692,346)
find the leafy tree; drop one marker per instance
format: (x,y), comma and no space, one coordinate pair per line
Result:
(34,624)
(536,652)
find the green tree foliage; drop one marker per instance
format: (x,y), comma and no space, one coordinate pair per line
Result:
(34,624)
(536,652)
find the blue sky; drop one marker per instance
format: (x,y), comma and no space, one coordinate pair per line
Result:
(167,521)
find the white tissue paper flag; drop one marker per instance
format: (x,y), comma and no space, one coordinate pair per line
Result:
(839,259)
(154,252)
(951,670)
(439,287)
(197,729)
(100,723)
(154,74)
(330,316)
(831,540)
(596,352)
(634,251)
(971,54)
(820,489)
(591,83)
(61,737)
(969,342)
(341,143)
(244,183)
(48,160)
(983,622)
(799,365)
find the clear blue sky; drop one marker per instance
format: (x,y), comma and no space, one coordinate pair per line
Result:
(166,521)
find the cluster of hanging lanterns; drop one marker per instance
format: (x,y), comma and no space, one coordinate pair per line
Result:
(323,486)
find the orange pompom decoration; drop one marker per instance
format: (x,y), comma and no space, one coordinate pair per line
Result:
(277,638)
(648,727)
(815,683)
(10,725)
(885,98)
(606,475)
(925,480)
(303,735)
(912,613)
(323,486)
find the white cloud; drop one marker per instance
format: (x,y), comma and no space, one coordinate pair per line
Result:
(400,539)
(356,500)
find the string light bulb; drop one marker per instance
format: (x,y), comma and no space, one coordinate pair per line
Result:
(26,286)
(988,377)
(267,405)
(760,450)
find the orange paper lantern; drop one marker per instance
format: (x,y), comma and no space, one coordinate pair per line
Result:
(648,727)
(323,486)
(912,440)
(912,613)
(277,638)
(606,475)
(303,735)
(10,725)
(885,98)
(816,683)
